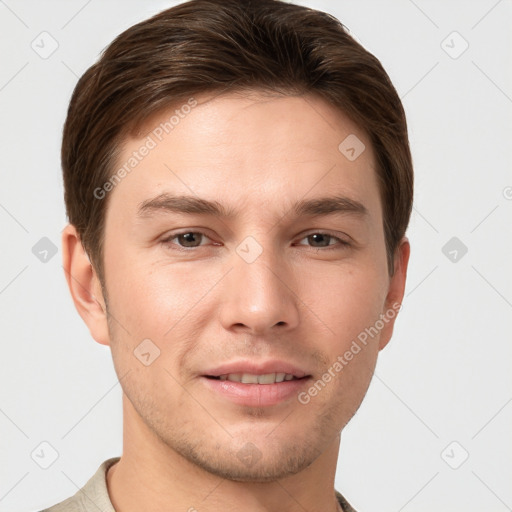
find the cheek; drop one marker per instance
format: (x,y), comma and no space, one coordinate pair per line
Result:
(345,300)
(169,304)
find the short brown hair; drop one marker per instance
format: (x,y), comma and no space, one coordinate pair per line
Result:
(210,45)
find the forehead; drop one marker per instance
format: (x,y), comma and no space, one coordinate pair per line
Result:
(246,150)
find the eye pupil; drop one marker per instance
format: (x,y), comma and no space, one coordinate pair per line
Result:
(189,238)
(323,238)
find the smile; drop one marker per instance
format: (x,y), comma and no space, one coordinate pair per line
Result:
(251,378)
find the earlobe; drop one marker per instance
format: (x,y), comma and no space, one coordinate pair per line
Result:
(84,285)
(396,291)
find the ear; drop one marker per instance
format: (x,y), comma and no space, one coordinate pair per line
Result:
(84,285)
(395,291)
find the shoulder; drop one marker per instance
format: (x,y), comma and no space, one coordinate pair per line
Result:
(345,505)
(75,503)
(93,496)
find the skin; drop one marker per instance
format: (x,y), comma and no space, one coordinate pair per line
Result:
(303,300)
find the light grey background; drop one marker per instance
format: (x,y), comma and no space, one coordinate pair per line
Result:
(444,378)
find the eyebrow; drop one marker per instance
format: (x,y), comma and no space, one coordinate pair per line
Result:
(320,206)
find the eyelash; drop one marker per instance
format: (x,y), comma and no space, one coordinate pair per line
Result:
(340,245)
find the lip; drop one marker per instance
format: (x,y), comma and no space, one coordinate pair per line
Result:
(255,395)
(257,368)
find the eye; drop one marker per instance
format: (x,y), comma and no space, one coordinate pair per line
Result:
(324,241)
(192,239)
(186,240)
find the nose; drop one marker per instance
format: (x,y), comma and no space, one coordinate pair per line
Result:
(259,297)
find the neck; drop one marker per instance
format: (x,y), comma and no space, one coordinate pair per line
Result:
(153,476)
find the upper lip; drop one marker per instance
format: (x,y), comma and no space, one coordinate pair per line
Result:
(256,368)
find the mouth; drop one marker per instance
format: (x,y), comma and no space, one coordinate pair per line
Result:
(256,383)
(252,378)
(256,389)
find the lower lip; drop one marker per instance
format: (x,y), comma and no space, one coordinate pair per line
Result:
(256,395)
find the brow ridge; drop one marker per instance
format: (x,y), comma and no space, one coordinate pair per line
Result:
(320,206)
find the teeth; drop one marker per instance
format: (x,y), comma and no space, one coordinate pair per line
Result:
(247,378)
(268,378)
(250,378)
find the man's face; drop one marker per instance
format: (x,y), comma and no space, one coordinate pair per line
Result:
(269,289)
